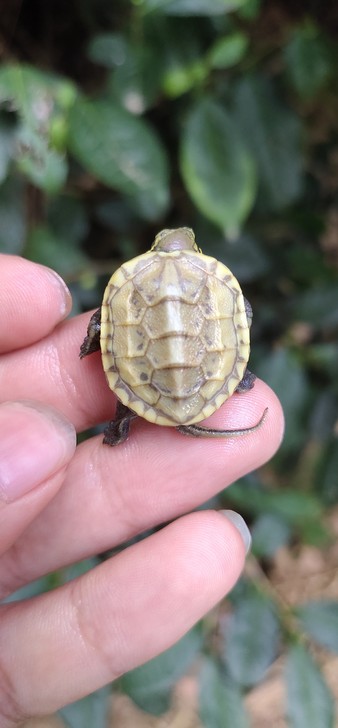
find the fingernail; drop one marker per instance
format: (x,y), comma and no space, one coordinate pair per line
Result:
(64,292)
(35,442)
(241,526)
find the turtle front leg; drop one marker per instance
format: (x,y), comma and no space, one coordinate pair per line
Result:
(248,379)
(91,342)
(117,430)
(248,311)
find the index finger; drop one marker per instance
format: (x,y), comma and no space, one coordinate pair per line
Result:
(33,300)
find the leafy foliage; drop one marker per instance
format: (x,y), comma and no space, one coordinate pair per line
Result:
(251,639)
(309,700)
(222,116)
(150,685)
(221,700)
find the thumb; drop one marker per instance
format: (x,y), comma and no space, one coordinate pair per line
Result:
(36,443)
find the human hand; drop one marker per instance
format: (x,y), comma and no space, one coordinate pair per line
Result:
(59,504)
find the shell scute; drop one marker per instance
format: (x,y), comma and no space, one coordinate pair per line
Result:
(177,382)
(130,342)
(175,351)
(172,319)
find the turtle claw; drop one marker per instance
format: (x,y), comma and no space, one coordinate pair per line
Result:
(246,383)
(117,430)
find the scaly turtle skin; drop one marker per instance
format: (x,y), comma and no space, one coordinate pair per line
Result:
(173,331)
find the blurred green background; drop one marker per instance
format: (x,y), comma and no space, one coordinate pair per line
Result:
(121,118)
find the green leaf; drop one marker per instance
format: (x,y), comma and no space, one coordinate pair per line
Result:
(320,620)
(136,70)
(285,375)
(245,256)
(326,478)
(293,506)
(217,170)
(7,142)
(318,306)
(310,702)
(251,639)
(12,216)
(37,97)
(308,60)
(68,219)
(191,7)
(181,57)
(88,712)
(32,589)
(180,79)
(220,700)
(35,94)
(228,51)
(150,685)
(45,167)
(315,533)
(27,90)
(250,10)
(108,49)
(272,133)
(269,533)
(136,82)
(46,247)
(122,151)
(323,357)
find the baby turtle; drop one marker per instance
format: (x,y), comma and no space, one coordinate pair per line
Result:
(173,330)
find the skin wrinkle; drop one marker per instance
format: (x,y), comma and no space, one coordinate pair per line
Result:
(94,640)
(75,602)
(117,640)
(15,572)
(112,497)
(115,496)
(10,709)
(52,359)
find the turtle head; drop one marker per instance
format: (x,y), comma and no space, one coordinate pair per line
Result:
(178,239)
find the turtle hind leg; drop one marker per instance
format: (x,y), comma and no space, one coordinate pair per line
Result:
(197,431)
(117,430)
(91,342)
(246,383)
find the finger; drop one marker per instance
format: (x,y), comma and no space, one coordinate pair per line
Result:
(112,494)
(85,634)
(50,371)
(35,446)
(33,300)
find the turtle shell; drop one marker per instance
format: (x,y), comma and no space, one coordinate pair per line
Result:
(174,335)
